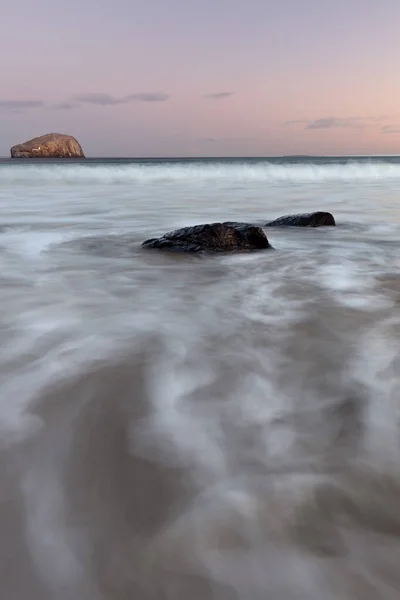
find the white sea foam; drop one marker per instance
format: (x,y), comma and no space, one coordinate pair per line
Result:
(198,172)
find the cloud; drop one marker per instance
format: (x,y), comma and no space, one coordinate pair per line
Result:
(20,104)
(333,122)
(99,99)
(211,140)
(357,123)
(219,95)
(147,97)
(63,106)
(108,100)
(390,129)
(296,122)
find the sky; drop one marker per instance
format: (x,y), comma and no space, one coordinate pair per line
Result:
(203,77)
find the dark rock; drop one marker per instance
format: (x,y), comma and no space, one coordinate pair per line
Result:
(315,219)
(51,145)
(212,238)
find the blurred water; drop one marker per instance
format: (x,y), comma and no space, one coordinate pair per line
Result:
(216,428)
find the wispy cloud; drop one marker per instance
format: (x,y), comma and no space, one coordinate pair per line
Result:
(216,140)
(380,118)
(99,99)
(219,95)
(338,122)
(147,97)
(64,106)
(333,122)
(20,104)
(109,100)
(390,129)
(296,122)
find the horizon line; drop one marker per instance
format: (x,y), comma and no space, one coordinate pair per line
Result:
(194,157)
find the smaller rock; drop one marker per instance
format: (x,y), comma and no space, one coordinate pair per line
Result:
(315,219)
(212,238)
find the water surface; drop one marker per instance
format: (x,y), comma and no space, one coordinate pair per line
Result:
(213,428)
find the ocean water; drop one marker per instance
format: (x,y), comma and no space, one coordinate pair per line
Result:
(212,428)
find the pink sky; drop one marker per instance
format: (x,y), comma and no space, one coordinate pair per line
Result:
(203,77)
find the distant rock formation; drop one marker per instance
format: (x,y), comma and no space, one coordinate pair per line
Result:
(212,238)
(51,145)
(315,219)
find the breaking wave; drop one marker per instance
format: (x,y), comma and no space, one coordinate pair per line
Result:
(199,172)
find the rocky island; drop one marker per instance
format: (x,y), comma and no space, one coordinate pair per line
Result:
(51,145)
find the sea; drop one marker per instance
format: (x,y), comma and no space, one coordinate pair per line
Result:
(178,427)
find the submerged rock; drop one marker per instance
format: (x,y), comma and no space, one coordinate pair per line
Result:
(212,238)
(51,145)
(315,219)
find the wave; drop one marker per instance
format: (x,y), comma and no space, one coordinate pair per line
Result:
(198,173)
